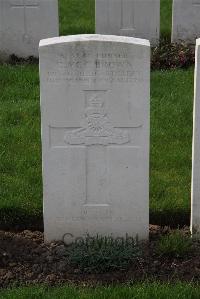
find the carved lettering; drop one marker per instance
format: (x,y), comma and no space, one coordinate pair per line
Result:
(105,68)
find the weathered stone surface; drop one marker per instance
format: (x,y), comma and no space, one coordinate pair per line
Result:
(186,20)
(95,136)
(136,18)
(23,23)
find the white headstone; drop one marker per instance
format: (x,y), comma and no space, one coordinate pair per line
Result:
(138,18)
(186,20)
(23,23)
(95,135)
(195,201)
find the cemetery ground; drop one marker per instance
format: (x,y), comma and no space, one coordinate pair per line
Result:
(169,256)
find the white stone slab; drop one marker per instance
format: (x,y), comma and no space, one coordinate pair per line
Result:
(138,18)
(186,20)
(23,23)
(195,200)
(95,135)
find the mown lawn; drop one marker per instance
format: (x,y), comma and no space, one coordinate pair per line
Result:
(171,146)
(142,291)
(20,163)
(166,18)
(20,148)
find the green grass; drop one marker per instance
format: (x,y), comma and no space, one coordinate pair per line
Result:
(171,142)
(78,16)
(140,291)
(175,245)
(102,254)
(20,166)
(20,148)
(166,18)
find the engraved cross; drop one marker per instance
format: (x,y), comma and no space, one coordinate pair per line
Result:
(96,133)
(127,17)
(24,4)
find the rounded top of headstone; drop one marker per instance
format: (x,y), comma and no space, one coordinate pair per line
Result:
(93,37)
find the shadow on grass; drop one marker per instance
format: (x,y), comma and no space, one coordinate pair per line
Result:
(19,219)
(173,219)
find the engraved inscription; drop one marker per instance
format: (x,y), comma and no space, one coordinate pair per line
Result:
(97,128)
(96,211)
(24,5)
(102,68)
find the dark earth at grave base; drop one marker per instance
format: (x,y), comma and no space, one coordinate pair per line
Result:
(24,259)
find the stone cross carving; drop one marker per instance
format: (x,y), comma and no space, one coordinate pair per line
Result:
(24,5)
(127,18)
(96,133)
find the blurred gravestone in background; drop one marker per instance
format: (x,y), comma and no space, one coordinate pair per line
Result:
(136,18)
(186,21)
(23,23)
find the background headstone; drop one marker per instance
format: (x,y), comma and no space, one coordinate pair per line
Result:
(195,202)
(186,20)
(23,23)
(95,135)
(137,18)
